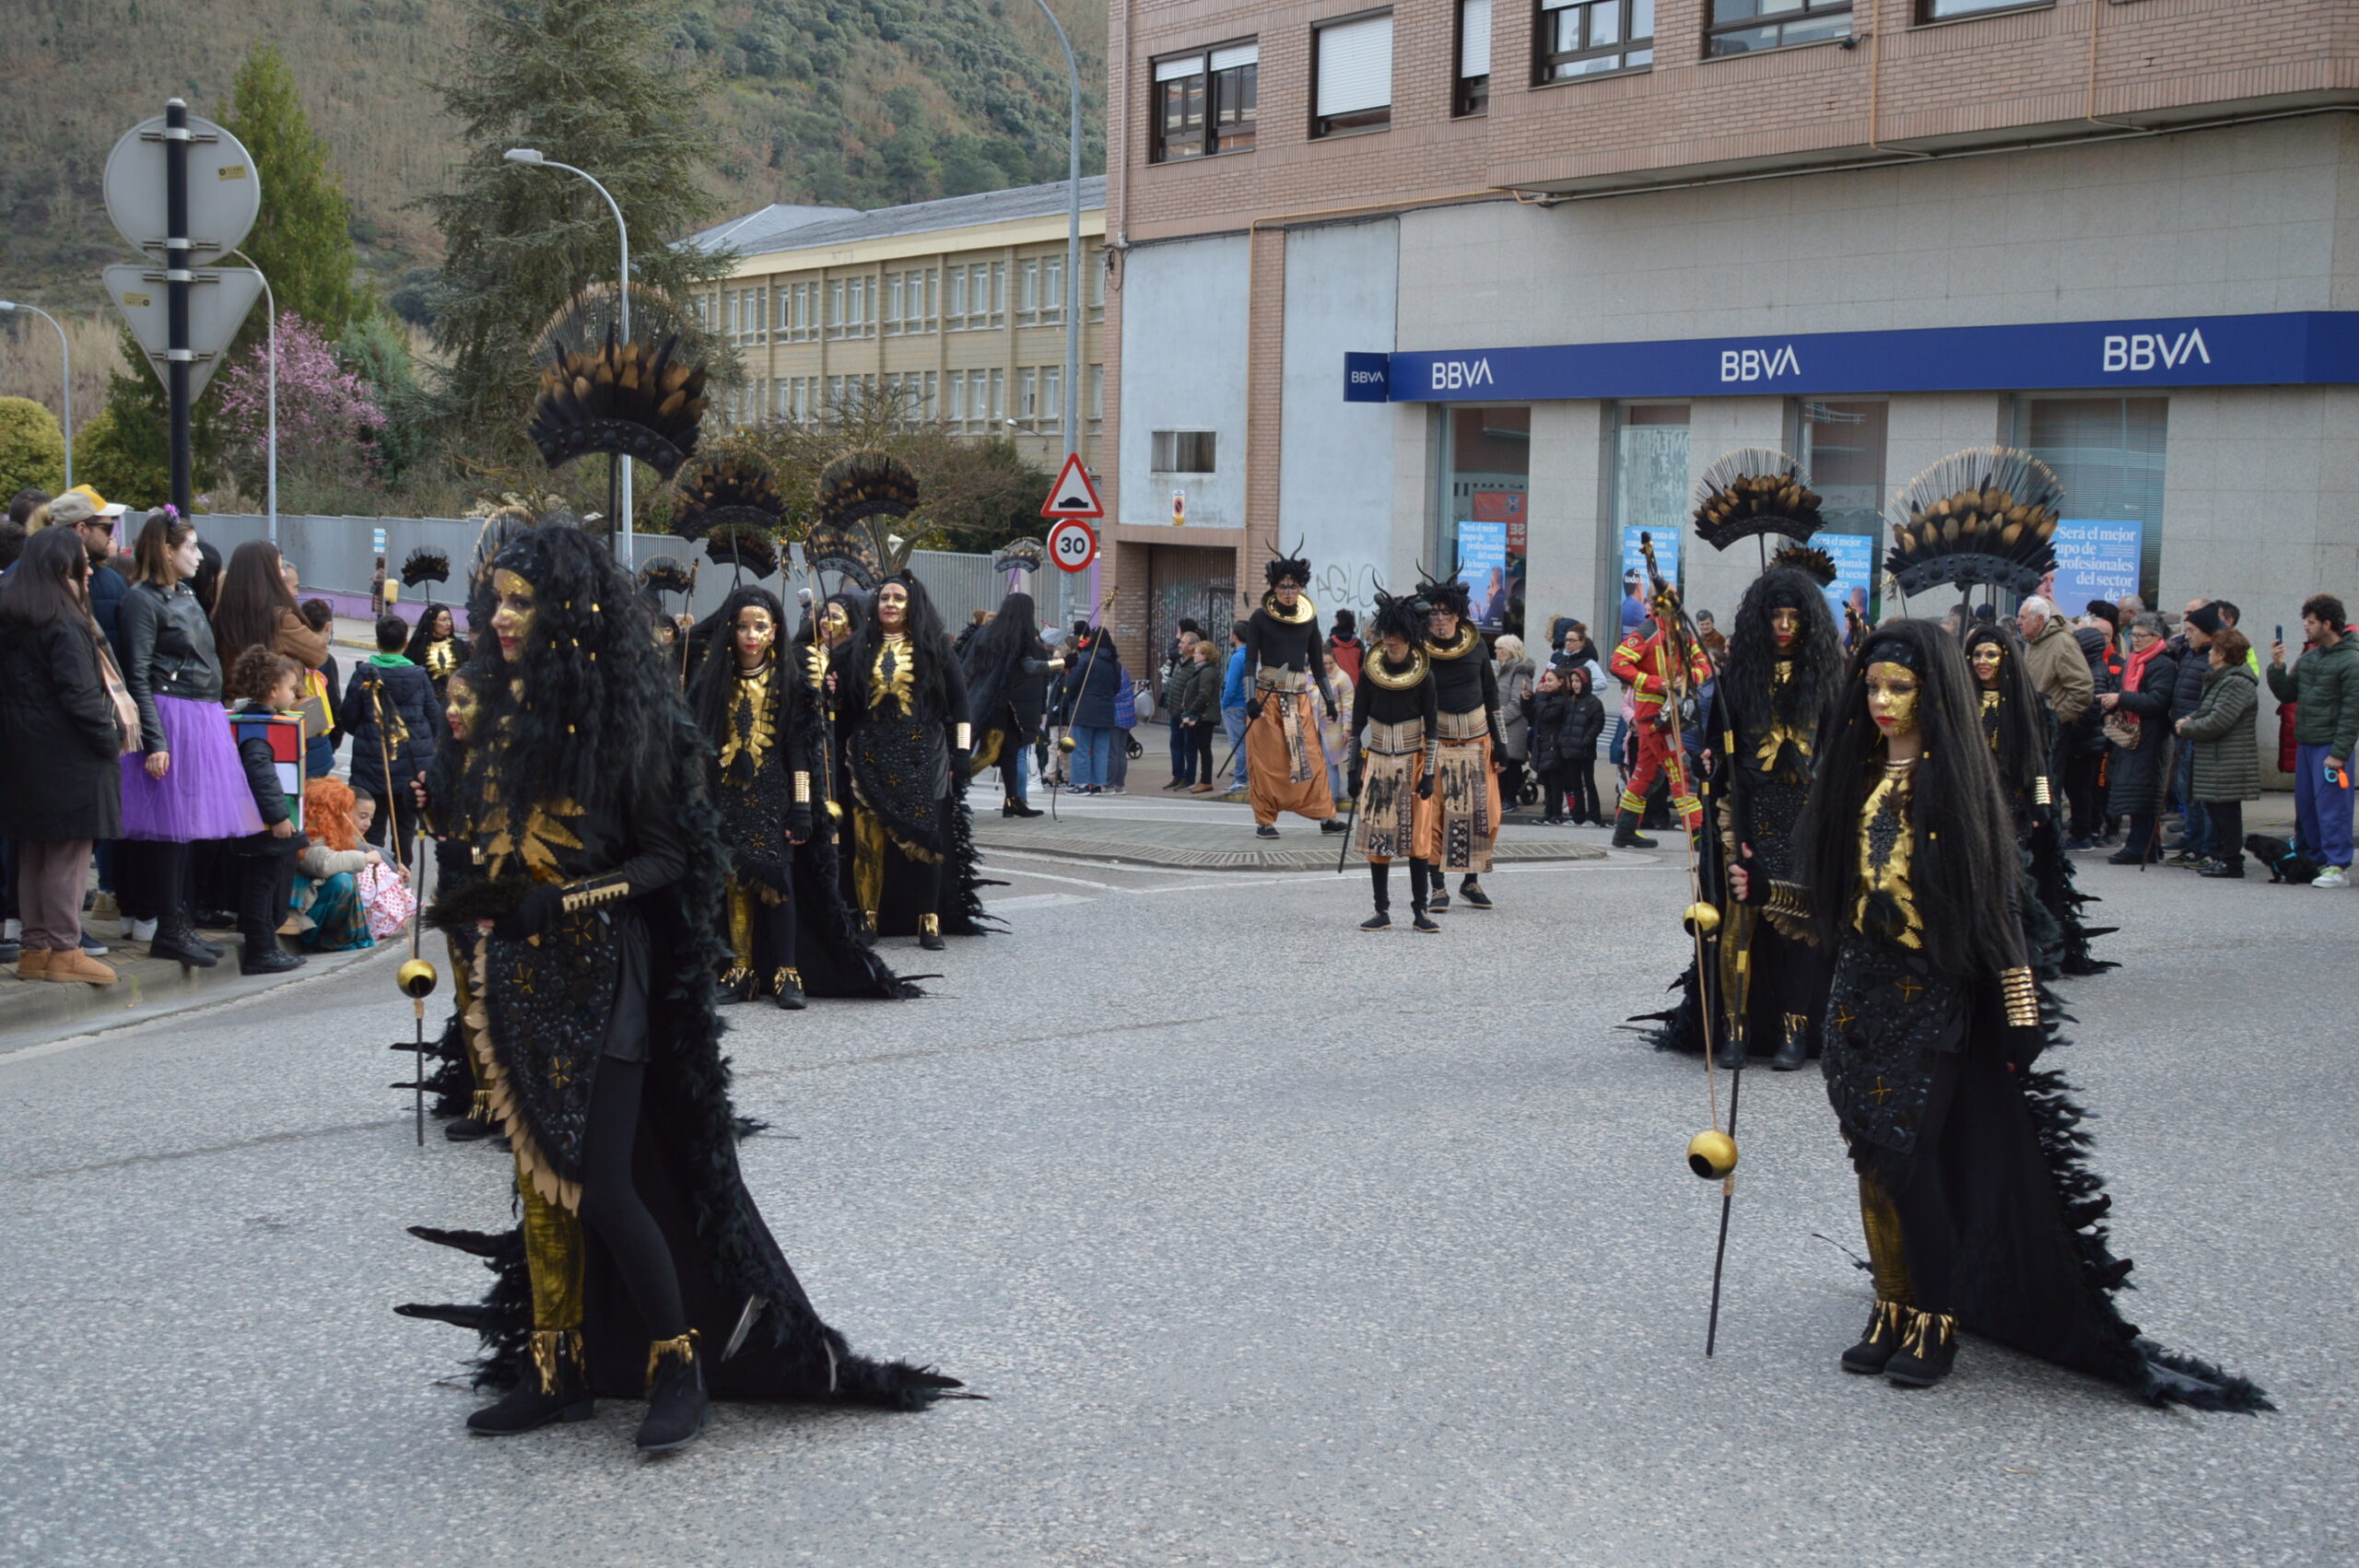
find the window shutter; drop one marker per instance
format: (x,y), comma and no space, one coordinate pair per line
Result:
(1474,38)
(1172,70)
(1355,66)
(1238,54)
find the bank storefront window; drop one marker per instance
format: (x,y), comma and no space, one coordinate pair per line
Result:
(1487,468)
(2108,452)
(1650,497)
(1841,445)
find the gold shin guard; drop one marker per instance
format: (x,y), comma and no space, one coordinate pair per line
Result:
(1887,1259)
(868,863)
(555,1260)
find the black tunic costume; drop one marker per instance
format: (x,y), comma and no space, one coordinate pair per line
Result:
(1763,720)
(2021,731)
(1980,1209)
(598,966)
(1396,722)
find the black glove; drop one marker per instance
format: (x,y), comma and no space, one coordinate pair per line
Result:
(962,768)
(1252,708)
(798,822)
(1331,710)
(1360,776)
(1426,788)
(2023,1044)
(534,916)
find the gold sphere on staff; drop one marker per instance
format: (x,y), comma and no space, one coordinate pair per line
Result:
(417,978)
(1711,1154)
(1701,919)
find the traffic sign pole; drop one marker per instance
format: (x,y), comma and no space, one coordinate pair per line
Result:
(176,283)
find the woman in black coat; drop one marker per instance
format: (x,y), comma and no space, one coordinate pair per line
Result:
(61,784)
(2137,774)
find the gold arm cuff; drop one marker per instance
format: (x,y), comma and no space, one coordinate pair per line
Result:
(966,738)
(2039,795)
(2020,995)
(1789,900)
(802,788)
(593,891)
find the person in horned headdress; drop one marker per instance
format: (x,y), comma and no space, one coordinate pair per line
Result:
(1458,822)
(1980,1211)
(593,925)
(1396,734)
(1287,672)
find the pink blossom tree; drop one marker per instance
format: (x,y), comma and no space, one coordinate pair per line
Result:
(326,415)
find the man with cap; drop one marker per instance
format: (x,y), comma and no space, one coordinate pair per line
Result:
(92,516)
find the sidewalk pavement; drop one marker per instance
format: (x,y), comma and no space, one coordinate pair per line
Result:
(146,987)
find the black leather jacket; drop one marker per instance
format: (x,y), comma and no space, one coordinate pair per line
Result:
(168,651)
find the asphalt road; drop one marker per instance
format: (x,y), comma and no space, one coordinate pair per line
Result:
(1269,1242)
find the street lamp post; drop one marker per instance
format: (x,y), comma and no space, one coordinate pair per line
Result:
(270,481)
(1073,290)
(532,157)
(67,350)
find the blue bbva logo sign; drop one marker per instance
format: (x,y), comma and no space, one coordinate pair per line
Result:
(1461,375)
(1759,364)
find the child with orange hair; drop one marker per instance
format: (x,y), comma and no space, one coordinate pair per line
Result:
(329,911)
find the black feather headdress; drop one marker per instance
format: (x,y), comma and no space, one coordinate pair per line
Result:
(1447,594)
(1755,490)
(1986,515)
(666,574)
(1811,561)
(748,547)
(855,493)
(1020,555)
(848,551)
(620,398)
(425,564)
(723,487)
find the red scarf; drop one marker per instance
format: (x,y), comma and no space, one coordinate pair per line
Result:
(2134,672)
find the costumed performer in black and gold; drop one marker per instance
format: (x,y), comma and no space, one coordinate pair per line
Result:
(1396,731)
(435,645)
(461,1092)
(1785,665)
(1458,822)
(1284,770)
(1007,669)
(790,932)
(2021,729)
(594,931)
(1980,1209)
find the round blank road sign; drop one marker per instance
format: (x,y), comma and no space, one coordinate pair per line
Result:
(224,192)
(1073,544)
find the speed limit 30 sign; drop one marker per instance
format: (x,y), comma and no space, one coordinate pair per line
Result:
(1073,544)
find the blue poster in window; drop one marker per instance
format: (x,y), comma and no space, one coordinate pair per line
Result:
(2096,560)
(1634,570)
(1855,574)
(1483,568)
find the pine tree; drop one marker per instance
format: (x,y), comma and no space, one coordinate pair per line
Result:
(590,83)
(302,239)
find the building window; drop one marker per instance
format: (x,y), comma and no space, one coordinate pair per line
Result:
(1096,397)
(1093,264)
(1205,101)
(1027,396)
(999,396)
(1748,27)
(2108,453)
(859,324)
(1488,472)
(1352,75)
(1052,399)
(1473,95)
(999,293)
(1842,444)
(954,299)
(1590,37)
(930,409)
(1052,290)
(1944,10)
(1649,496)
(1183,451)
(1028,292)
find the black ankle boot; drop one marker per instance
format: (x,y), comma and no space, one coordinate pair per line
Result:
(467,1129)
(1727,1052)
(1626,835)
(1879,1341)
(786,990)
(178,942)
(1928,1350)
(1381,877)
(1017,808)
(1472,891)
(929,932)
(676,1401)
(552,1389)
(736,986)
(1793,1053)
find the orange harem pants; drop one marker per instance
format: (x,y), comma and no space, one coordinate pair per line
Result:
(1284,770)
(1659,752)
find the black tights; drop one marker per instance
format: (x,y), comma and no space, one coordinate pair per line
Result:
(611,1205)
(1421,875)
(152,879)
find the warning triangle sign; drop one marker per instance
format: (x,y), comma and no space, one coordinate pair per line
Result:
(1072,494)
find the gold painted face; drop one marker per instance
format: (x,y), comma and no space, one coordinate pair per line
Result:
(836,624)
(461,707)
(892,606)
(1785,625)
(1986,659)
(511,623)
(1892,697)
(755,633)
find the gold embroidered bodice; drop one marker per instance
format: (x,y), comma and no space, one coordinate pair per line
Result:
(1886,905)
(751,734)
(1990,718)
(441,658)
(1779,734)
(892,678)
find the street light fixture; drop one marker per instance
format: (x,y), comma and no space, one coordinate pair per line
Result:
(533,158)
(67,350)
(270,483)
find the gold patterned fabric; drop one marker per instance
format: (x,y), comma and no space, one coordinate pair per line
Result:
(557,1264)
(1888,1257)
(1886,905)
(1458,824)
(1386,825)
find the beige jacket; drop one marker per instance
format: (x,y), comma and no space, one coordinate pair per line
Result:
(2060,670)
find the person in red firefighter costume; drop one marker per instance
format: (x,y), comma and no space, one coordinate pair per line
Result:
(1646,664)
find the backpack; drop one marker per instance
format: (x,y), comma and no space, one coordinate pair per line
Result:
(2285,863)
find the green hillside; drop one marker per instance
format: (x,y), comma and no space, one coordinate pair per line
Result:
(843,103)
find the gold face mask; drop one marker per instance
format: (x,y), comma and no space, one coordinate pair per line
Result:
(1785,625)
(756,632)
(461,707)
(836,624)
(892,606)
(1985,660)
(511,623)
(1892,697)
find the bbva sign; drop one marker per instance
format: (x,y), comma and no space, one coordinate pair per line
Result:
(2143,351)
(1759,364)
(1452,375)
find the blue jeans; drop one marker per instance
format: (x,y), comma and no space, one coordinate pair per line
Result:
(1233,721)
(1011,771)
(2321,809)
(1093,746)
(2195,826)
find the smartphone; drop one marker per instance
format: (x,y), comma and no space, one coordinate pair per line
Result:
(2280,635)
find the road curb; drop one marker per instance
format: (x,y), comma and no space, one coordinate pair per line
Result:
(33,1011)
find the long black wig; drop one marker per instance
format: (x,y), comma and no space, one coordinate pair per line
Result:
(994,661)
(714,692)
(929,644)
(422,634)
(1963,863)
(2024,723)
(1746,684)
